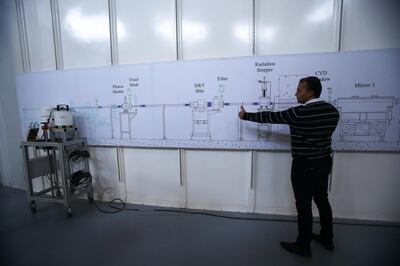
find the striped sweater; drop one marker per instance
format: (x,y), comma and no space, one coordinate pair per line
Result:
(311,127)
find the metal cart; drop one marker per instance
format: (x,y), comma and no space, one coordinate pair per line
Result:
(62,167)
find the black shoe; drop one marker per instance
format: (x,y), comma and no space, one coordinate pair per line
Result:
(328,244)
(297,249)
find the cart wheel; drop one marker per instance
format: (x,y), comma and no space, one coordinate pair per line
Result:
(91,199)
(68,212)
(33,206)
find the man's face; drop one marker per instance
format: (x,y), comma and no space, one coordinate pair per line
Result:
(302,94)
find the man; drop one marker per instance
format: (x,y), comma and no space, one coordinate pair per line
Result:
(311,126)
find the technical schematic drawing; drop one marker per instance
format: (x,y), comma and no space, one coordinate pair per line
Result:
(282,100)
(201,112)
(195,103)
(200,120)
(285,97)
(365,118)
(92,121)
(265,104)
(117,119)
(126,115)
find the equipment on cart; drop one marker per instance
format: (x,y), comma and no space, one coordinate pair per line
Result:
(57,123)
(57,164)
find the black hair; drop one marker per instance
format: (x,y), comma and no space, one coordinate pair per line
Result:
(313,84)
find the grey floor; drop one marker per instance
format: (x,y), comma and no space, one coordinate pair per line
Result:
(162,238)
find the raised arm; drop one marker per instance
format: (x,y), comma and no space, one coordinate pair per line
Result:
(283,117)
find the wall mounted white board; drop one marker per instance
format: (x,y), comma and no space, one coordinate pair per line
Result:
(194,103)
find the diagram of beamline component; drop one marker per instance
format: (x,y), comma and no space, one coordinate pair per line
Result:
(368,118)
(373,119)
(126,115)
(282,99)
(201,114)
(128,119)
(195,103)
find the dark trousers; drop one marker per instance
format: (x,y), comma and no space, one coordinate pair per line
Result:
(310,181)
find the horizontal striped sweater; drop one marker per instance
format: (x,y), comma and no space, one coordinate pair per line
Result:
(311,127)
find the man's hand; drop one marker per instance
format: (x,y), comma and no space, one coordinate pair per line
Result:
(241,113)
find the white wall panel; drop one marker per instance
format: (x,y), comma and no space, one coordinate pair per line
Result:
(11,168)
(216,28)
(218,180)
(40,35)
(10,24)
(370,24)
(104,169)
(146,31)
(85,33)
(301,26)
(273,188)
(366,186)
(153,177)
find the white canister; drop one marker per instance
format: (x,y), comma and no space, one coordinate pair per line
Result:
(63,118)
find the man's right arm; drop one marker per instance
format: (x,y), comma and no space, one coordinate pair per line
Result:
(283,117)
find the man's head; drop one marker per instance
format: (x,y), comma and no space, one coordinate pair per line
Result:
(308,88)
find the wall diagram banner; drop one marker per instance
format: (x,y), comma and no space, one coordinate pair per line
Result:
(194,103)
